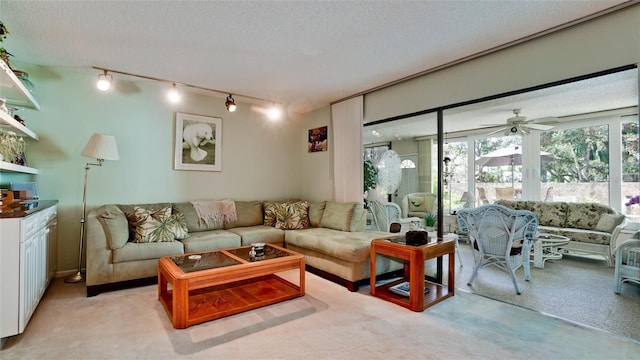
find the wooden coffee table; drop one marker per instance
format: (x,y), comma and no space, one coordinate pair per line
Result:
(194,288)
(414,258)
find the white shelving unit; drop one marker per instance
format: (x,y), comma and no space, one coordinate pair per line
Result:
(17,95)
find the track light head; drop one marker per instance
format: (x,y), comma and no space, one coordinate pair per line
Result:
(173,95)
(274,112)
(230,104)
(104,81)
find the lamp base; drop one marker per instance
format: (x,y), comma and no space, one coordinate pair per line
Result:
(75,278)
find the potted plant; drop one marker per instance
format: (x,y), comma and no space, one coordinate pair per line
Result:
(370,178)
(4,54)
(430,220)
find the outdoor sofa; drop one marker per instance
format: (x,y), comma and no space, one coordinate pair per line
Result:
(589,226)
(330,234)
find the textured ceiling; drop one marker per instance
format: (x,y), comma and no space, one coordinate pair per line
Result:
(303,54)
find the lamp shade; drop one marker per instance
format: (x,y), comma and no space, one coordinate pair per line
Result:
(101,146)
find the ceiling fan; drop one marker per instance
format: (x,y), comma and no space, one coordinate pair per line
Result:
(519,125)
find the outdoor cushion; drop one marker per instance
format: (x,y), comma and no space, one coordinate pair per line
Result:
(609,222)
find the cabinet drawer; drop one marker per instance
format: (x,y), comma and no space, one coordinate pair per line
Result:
(30,225)
(48,215)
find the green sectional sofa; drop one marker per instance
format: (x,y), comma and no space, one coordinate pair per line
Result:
(589,226)
(330,234)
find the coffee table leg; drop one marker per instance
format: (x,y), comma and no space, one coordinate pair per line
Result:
(180,304)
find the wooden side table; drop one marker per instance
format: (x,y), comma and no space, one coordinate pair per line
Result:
(414,258)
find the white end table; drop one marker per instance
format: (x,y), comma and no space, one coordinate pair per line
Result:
(545,247)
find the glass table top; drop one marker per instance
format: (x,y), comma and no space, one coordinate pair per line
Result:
(220,258)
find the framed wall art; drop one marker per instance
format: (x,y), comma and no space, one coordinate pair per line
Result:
(198,143)
(317,139)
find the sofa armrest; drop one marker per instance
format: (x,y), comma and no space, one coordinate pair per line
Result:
(99,266)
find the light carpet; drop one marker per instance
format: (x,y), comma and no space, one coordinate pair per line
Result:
(329,322)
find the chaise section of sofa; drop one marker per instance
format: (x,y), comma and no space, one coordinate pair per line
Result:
(589,226)
(336,246)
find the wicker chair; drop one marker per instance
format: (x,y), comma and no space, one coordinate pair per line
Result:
(499,236)
(385,214)
(627,268)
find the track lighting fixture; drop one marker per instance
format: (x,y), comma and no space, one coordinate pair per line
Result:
(274,112)
(104,81)
(230,104)
(173,95)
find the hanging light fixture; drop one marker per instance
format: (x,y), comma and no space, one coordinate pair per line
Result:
(173,95)
(104,81)
(230,104)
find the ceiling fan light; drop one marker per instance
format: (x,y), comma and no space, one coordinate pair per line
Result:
(230,104)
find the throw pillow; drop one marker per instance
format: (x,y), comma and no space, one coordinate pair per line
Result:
(153,226)
(116,226)
(270,209)
(417,203)
(608,222)
(179,224)
(337,215)
(293,215)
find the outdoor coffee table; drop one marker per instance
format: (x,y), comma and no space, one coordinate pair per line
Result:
(414,258)
(546,247)
(194,288)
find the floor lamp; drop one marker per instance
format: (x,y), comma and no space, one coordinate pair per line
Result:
(101,147)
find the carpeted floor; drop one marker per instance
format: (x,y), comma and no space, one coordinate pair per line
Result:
(329,322)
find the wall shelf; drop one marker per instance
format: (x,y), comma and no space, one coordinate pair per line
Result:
(13,125)
(14,90)
(10,167)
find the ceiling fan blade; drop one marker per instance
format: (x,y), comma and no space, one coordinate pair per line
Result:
(538,127)
(487,125)
(495,131)
(545,120)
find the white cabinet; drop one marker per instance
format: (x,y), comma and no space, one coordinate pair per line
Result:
(17,95)
(27,264)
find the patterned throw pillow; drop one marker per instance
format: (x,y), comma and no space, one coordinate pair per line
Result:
(164,225)
(292,215)
(270,213)
(179,228)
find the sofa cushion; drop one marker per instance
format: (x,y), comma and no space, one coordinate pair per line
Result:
(180,229)
(585,215)
(259,233)
(292,215)
(115,226)
(549,213)
(316,209)
(194,224)
(210,240)
(146,251)
(153,226)
(608,222)
(337,215)
(348,246)
(586,236)
(249,214)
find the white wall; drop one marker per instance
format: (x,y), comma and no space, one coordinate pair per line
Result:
(317,167)
(261,159)
(604,43)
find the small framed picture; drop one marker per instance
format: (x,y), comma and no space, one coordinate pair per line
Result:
(317,139)
(198,143)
